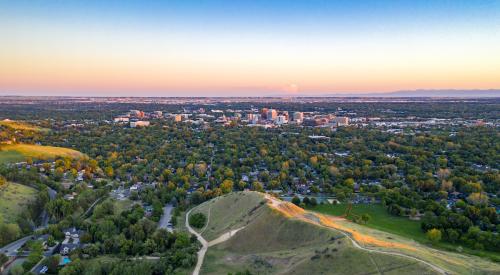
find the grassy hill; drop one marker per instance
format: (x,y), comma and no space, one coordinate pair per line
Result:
(293,241)
(20,152)
(23,126)
(224,216)
(13,200)
(402,226)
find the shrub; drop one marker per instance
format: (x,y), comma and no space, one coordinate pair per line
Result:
(197,220)
(296,200)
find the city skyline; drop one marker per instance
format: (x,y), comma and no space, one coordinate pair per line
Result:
(247,48)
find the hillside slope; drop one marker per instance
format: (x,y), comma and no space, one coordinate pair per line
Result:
(20,152)
(280,238)
(14,198)
(21,126)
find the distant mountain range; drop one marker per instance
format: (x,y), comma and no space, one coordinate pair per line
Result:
(428,93)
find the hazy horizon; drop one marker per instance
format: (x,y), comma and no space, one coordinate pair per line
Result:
(247,48)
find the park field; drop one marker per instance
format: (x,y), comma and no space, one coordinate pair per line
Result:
(20,152)
(401,226)
(277,237)
(273,243)
(380,219)
(14,199)
(23,126)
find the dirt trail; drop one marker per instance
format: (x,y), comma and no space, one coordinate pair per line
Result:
(292,211)
(204,244)
(224,237)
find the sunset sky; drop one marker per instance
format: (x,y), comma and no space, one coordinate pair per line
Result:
(246,48)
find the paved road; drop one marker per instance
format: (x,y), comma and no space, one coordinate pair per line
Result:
(38,267)
(166,217)
(45,215)
(91,207)
(11,249)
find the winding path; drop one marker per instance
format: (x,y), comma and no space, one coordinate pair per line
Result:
(357,245)
(204,244)
(275,203)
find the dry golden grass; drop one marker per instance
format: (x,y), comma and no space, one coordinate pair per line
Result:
(19,125)
(290,210)
(454,263)
(38,152)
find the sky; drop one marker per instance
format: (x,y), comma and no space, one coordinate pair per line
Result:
(246,48)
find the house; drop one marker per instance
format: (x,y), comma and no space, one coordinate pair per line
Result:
(121,119)
(135,187)
(67,184)
(148,210)
(79,176)
(69,197)
(71,241)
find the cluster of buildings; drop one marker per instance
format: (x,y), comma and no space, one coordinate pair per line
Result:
(272,117)
(137,118)
(265,117)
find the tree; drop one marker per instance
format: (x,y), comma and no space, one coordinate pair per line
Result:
(3,259)
(242,185)
(313,201)
(446,185)
(349,182)
(296,200)
(452,235)
(9,232)
(197,197)
(52,263)
(478,198)
(197,220)
(306,200)
(109,171)
(16,270)
(226,186)
(3,182)
(257,186)
(365,218)
(434,235)
(200,169)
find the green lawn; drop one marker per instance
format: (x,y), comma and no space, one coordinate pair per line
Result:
(121,205)
(381,220)
(13,200)
(11,157)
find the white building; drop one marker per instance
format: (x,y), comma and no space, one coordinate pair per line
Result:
(272,114)
(256,118)
(121,119)
(140,123)
(298,117)
(250,116)
(281,120)
(341,121)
